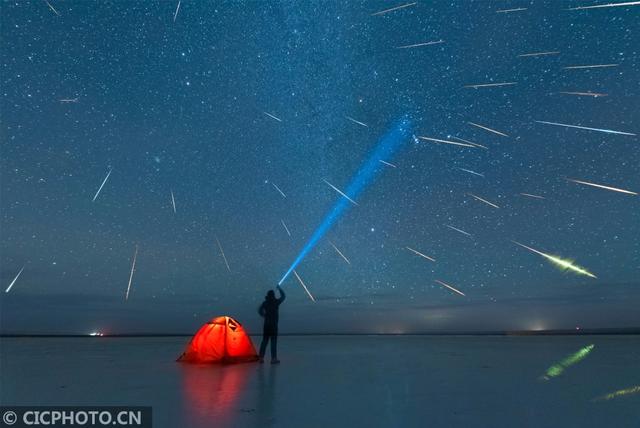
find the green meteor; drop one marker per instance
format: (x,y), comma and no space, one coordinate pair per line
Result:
(558,368)
(619,393)
(563,264)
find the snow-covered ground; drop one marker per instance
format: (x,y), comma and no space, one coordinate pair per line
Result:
(331,381)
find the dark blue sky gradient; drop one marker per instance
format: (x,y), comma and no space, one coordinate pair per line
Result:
(180,106)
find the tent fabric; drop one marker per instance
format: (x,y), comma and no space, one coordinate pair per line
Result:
(221,340)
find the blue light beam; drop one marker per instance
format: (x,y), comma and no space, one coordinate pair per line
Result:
(385,149)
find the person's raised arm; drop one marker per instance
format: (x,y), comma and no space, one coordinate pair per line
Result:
(282,295)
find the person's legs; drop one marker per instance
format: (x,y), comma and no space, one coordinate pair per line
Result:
(274,347)
(263,345)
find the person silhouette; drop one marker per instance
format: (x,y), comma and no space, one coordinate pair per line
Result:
(269,311)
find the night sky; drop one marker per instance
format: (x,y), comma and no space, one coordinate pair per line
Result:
(181,103)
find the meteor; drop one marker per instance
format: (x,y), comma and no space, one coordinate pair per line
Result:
(51,7)
(278,189)
(420,254)
(458,230)
(339,191)
(532,196)
(392,9)
(619,393)
(539,54)
(133,268)
(340,252)
(388,144)
(471,172)
(487,129)
(558,368)
(357,121)
(303,285)
(175,15)
(102,185)
(285,227)
(511,10)
(579,67)
(14,280)
(600,186)
(173,202)
(450,287)
(436,140)
(69,100)
(584,94)
(606,131)
(628,3)
(272,116)
(388,164)
(564,264)
(223,256)
(436,42)
(489,85)
(472,143)
(483,200)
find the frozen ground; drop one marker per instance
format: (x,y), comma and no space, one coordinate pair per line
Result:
(330,381)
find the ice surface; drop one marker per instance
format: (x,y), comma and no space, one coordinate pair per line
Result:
(330,381)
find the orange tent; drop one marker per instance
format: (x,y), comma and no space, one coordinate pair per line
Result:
(221,340)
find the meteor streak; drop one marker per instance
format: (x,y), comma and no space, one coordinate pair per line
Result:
(471,172)
(532,196)
(564,264)
(614,189)
(472,143)
(388,144)
(619,393)
(133,268)
(450,287)
(420,254)
(585,94)
(539,54)
(488,85)
(278,189)
(392,9)
(558,368)
(340,252)
(102,185)
(272,116)
(607,131)
(303,285)
(69,100)
(483,200)
(578,67)
(436,140)
(339,191)
(436,42)
(458,230)
(14,280)
(173,202)
(285,227)
(388,164)
(487,129)
(357,121)
(223,256)
(511,10)
(175,15)
(628,3)
(51,7)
